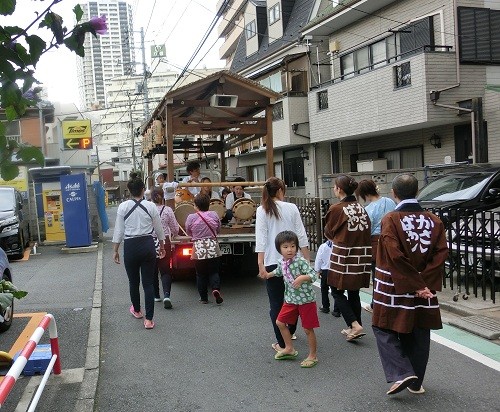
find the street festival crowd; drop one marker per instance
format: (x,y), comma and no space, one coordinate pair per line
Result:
(396,244)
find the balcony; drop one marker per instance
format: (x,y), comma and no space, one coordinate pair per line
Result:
(234,9)
(230,43)
(392,98)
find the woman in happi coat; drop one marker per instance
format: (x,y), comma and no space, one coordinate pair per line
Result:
(348,227)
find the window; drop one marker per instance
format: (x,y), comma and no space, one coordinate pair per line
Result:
(258,173)
(402,75)
(323,100)
(250,30)
(274,13)
(278,111)
(408,40)
(273,82)
(479,37)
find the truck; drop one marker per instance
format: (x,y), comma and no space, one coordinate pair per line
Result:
(236,242)
(215,116)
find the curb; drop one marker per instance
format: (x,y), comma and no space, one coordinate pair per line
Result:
(86,397)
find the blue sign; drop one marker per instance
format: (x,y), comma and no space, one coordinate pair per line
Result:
(76,210)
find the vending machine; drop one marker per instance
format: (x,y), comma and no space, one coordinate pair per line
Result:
(76,210)
(54,217)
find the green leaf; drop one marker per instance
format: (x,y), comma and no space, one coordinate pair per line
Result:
(28,153)
(37,46)
(11,113)
(6,67)
(13,30)
(2,132)
(78,13)
(8,171)
(7,7)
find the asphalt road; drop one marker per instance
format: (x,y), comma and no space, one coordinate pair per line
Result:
(218,358)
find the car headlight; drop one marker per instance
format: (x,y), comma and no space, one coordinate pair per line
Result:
(11,227)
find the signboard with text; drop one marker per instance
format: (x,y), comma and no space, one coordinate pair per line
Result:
(77,134)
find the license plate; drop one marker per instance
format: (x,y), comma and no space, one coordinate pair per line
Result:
(225,248)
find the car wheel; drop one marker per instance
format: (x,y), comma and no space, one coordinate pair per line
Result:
(8,314)
(22,244)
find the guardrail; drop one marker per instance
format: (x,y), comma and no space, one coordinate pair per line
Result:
(15,370)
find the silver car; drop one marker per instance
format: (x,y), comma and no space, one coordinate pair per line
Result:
(6,313)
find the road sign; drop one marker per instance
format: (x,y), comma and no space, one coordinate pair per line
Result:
(158,51)
(77,134)
(78,143)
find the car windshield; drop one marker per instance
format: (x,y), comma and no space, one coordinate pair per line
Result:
(7,200)
(454,187)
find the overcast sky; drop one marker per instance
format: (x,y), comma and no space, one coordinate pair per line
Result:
(179,24)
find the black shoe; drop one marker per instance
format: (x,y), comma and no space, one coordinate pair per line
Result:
(336,314)
(217,296)
(324,310)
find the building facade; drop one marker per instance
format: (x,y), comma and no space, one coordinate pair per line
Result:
(390,85)
(108,55)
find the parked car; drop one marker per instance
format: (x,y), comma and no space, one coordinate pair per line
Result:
(14,223)
(7,313)
(476,187)
(468,203)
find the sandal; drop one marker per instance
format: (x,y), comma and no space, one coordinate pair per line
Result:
(149,324)
(276,346)
(137,315)
(401,385)
(309,363)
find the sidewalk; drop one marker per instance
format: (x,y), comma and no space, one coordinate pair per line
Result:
(475,315)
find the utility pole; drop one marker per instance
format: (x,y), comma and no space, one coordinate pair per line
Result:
(145,75)
(98,164)
(132,132)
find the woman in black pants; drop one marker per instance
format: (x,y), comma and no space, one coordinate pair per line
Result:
(136,220)
(273,216)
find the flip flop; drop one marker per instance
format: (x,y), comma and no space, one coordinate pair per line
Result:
(150,325)
(401,385)
(308,363)
(284,356)
(345,332)
(418,392)
(276,346)
(354,336)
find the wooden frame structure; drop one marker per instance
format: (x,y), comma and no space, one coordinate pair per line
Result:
(218,124)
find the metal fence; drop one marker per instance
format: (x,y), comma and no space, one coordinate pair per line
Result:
(474,244)
(473,266)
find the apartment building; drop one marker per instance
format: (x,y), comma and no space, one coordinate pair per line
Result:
(108,55)
(269,51)
(389,85)
(405,84)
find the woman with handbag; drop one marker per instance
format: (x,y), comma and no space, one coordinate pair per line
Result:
(171,229)
(203,227)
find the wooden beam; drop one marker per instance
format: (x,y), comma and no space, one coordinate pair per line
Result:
(170,144)
(206,103)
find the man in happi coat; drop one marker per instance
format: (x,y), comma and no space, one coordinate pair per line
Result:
(410,260)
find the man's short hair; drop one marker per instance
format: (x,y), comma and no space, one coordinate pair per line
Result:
(405,186)
(192,166)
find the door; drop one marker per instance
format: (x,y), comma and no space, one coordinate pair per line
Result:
(463,142)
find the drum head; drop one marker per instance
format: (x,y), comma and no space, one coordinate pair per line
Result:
(182,211)
(244,209)
(218,207)
(183,195)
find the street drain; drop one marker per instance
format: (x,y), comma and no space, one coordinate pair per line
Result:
(480,325)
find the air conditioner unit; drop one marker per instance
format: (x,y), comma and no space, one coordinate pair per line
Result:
(223,100)
(334,46)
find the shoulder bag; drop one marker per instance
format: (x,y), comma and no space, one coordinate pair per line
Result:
(206,248)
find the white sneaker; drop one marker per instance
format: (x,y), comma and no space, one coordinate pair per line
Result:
(167,303)
(158,299)
(294,337)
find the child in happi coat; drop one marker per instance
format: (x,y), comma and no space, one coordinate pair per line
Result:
(300,299)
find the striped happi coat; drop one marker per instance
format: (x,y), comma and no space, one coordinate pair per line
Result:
(348,227)
(411,253)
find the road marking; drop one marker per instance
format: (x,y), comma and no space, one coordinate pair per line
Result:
(463,350)
(69,376)
(472,346)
